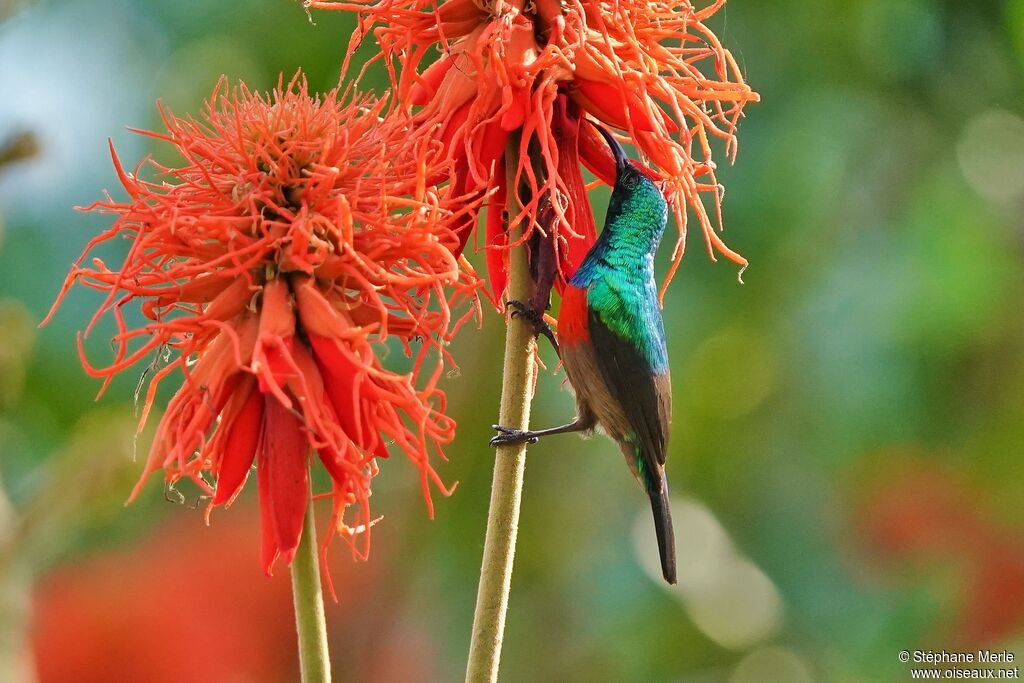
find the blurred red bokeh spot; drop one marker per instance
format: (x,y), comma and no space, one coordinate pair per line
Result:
(188,603)
(913,509)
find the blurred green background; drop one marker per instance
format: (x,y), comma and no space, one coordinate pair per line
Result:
(848,424)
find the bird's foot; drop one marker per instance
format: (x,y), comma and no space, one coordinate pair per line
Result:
(534,317)
(509,436)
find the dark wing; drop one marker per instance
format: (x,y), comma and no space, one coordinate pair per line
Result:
(642,393)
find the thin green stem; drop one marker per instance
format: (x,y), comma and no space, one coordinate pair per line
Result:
(509,462)
(15,597)
(308,598)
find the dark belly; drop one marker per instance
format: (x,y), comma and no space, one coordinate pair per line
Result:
(593,398)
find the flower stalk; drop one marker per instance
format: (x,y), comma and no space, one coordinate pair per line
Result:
(308,598)
(509,461)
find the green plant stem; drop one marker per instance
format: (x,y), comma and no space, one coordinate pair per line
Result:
(509,462)
(308,598)
(16,663)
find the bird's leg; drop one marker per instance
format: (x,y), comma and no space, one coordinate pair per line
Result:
(535,318)
(512,436)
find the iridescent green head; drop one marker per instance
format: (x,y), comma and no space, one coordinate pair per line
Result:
(637,211)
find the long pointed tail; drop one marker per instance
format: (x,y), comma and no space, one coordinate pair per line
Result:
(663,528)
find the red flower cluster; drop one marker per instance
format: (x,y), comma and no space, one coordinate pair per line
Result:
(651,69)
(299,235)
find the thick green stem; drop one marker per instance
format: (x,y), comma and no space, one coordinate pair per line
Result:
(308,598)
(509,462)
(15,597)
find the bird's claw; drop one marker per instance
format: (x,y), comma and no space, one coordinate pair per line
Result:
(534,317)
(509,436)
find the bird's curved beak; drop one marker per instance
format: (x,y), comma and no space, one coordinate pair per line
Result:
(621,160)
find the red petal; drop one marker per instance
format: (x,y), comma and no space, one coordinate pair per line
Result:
(333,361)
(465,227)
(330,459)
(276,336)
(607,103)
(333,463)
(339,374)
(227,390)
(239,448)
(566,128)
(315,311)
(596,156)
(230,301)
(515,115)
(454,128)
(285,450)
(458,11)
(268,537)
(426,87)
(202,290)
(276,316)
(277,353)
(497,239)
(492,148)
(381,449)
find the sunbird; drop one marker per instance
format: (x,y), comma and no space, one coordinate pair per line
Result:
(612,342)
